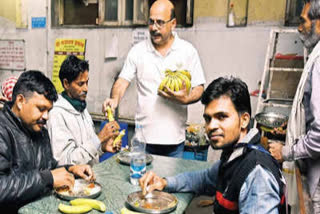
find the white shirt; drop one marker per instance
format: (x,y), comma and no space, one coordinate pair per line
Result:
(162,121)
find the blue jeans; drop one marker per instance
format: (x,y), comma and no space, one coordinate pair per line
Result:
(166,150)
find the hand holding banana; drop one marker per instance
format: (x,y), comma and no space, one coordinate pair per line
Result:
(174,80)
(176,86)
(117,140)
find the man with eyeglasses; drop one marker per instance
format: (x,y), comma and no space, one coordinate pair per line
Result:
(162,115)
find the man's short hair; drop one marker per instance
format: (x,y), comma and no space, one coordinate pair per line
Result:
(232,87)
(71,67)
(34,81)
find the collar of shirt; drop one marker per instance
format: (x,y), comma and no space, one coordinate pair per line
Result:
(174,45)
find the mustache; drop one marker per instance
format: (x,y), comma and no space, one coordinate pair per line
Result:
(43,122)
(310,39)
(83,93)
(155,33)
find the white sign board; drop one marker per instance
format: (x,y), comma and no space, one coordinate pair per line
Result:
(12,55)
(139,35)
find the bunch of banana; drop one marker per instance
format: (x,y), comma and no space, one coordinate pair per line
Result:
(82,205)
(174,80)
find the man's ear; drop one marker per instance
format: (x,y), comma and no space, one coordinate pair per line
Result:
(20,100)
(244,120)
(65,83)
(174,24)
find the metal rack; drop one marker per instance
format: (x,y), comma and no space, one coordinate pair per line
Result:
(281,104)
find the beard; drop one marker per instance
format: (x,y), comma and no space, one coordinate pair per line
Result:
(310,39)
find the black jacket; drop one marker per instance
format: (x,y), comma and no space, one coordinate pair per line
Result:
(25,162)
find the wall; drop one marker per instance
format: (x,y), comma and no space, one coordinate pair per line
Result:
(223,51)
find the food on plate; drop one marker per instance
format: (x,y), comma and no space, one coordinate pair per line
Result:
(95,204)
(174,80)
(74,209)
(109,114)
(119,137)
(81,188)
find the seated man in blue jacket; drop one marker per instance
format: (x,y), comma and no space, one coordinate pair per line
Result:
(27,167)
(246,179)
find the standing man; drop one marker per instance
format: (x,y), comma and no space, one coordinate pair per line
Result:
(246,179)
(303,130)
(162,115)
(27,167)
(70,126)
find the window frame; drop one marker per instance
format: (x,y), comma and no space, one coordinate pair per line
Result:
(290,19)
(57,15)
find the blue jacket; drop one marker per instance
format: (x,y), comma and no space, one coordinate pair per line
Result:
(258,194)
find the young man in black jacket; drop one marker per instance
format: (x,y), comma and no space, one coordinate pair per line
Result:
(246,179)
(27,167)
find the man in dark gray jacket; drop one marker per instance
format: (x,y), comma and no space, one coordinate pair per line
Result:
(27,167)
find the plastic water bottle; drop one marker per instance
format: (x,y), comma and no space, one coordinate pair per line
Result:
(138,156)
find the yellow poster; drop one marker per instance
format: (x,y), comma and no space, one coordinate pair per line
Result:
(63,48)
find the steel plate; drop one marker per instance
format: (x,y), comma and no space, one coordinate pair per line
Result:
(271,119)
(154,202)
(81,189)
(125,157)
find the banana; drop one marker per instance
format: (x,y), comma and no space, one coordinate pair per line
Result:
(171,86)
(168,83)
(185,72)
(126,211)
(176,83)
(186,80)
(163,83)
(109,114)
(179,82)
(74,209)
(119,137)
(95,204)
(168,72)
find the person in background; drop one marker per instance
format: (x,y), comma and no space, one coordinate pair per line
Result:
(161,115)
(303,128)
(6,89)
(70,126)
(246,179)
(27,167)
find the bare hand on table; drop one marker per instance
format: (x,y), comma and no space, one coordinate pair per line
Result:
(83,171)
(61,177)
(276,151)
(150,181)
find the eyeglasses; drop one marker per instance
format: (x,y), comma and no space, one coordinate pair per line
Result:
(159,23)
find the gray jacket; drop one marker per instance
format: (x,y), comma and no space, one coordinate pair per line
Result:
(303,134)
(72,135)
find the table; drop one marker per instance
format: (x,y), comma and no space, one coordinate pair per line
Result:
(114,178)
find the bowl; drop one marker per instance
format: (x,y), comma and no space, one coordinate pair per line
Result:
(271,119)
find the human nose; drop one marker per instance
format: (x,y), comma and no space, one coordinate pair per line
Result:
(45,115)
(85,87)
(213,124)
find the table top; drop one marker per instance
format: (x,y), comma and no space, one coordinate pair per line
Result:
(114,178)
